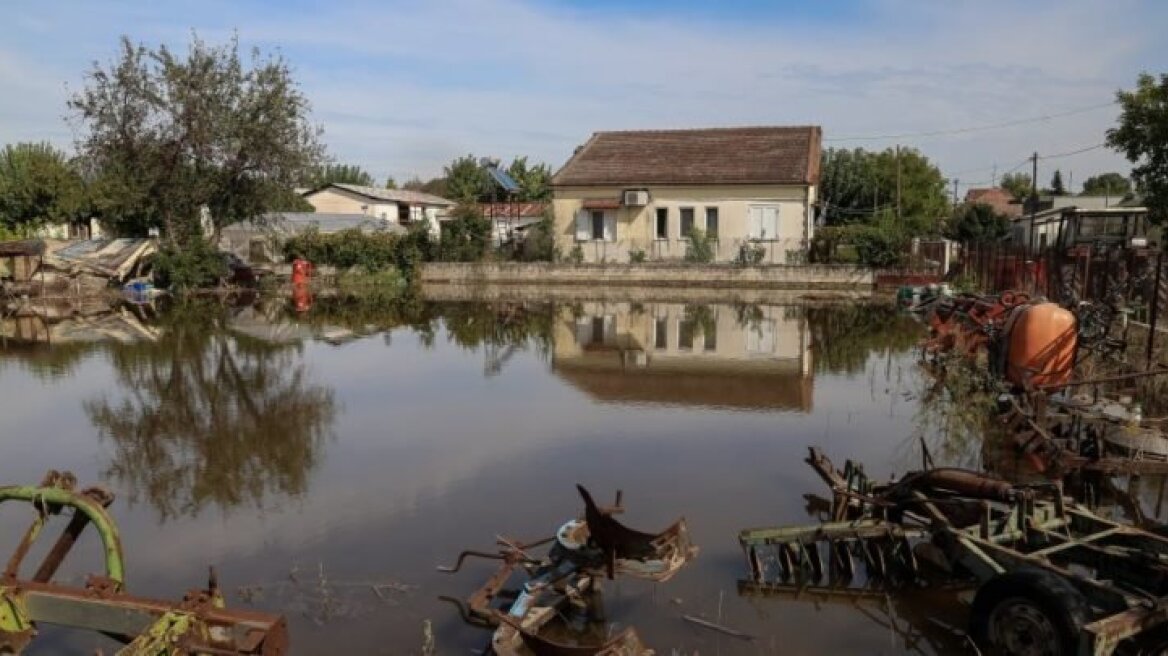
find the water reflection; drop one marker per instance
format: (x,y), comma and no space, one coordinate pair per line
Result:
(756,357)
(208,417)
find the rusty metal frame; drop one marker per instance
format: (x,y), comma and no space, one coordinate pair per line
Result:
(199,624)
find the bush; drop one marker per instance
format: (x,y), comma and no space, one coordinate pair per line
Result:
(637,256)
(576,256)
(540,243)
(881,246)
(193,266)
(700,247)
(466,237)
(751,254)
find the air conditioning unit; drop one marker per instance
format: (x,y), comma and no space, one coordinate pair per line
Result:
(636,198)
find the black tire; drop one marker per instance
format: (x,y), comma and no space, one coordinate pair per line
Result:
(1028,611)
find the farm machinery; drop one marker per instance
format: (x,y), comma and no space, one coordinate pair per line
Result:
(198,624)
(558,609)
(1050,576)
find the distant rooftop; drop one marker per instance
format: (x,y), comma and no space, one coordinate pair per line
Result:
(392,195)
(297,222)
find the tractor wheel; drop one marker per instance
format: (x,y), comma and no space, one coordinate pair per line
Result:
(1029,612)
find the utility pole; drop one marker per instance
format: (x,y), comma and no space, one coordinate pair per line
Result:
(955,181)
(1033,195)
(898,183)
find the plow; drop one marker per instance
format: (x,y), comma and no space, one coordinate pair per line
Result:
(558,608)
(200,623)
(1050,577)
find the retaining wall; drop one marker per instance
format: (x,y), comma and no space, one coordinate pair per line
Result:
(650,275)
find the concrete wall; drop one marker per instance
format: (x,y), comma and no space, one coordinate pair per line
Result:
(649,275)
(636,227)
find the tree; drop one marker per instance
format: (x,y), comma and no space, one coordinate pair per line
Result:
(1107,184)
(466,236)
(436,186)
(175,142)
(390,183)
(326,174)
(38,186)
(861,186)
(1142,136)
(1057,188)
(976,223)
(534,181)
(466,180)
(1018,184)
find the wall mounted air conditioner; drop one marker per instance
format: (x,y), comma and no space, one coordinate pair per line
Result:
(636,197)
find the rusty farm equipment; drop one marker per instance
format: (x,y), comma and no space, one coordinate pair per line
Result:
(198,624)
(558,609)
(1050,576)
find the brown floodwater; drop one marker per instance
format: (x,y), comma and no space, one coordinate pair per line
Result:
(309,456)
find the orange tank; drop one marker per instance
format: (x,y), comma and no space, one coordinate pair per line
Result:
(1040,345)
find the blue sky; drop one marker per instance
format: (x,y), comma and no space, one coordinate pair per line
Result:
(403,87)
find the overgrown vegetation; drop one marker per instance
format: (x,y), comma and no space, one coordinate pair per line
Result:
(367,252)
(700,247)
(195,266)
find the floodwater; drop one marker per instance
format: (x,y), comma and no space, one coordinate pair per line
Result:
(311,455)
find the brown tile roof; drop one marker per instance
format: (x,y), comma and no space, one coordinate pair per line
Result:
(748,155)
(1001,200)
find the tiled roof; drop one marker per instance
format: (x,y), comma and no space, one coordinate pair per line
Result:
(1001,200)
(393,195)
(511,209)
(748,155)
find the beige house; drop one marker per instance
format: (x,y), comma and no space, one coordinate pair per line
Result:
(399,206)
(751,189)
(672,354)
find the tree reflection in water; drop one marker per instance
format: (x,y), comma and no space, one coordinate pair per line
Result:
(208,418)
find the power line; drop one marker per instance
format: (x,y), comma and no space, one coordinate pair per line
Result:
(977,128)
(1073,152)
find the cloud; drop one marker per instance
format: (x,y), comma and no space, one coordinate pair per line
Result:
(403,88)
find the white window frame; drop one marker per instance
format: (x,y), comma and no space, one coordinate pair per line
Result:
(761,233)
(585,230)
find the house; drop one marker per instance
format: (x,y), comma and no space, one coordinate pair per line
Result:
(632,192)
(400,206)
(1001,200)
(262,242)
(79,229)
(671,354)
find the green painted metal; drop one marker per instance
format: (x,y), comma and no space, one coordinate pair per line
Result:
(162,638)
(42,497)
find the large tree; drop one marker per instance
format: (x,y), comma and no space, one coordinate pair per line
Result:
(534,180)
(1018,184)
(175,141)
(325,174)
(466,180)
(1142,136)
(1106,184)
(38,186)
(1057,188)
(860,185)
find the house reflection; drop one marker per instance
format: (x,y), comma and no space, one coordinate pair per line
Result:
(722,356)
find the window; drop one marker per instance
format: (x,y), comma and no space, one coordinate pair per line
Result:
(710,335)
(597,225)
(685,334)
(687,221)
(662,223)
(403,213)
(760,338)
(764,222)
(597,330)
(712,222)
(661,333)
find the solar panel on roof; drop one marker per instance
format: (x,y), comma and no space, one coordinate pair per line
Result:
(503,179)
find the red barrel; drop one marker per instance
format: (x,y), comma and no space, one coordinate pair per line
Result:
(301,271)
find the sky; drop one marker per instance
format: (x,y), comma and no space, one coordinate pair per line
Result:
(402,88)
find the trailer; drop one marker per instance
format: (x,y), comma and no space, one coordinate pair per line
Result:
(1051,577)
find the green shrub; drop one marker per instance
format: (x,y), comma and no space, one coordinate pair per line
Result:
(881,246)
(193,266)
(368,252)
(750,254)
(700,247)
(576,256)
(466,237)
(637,256)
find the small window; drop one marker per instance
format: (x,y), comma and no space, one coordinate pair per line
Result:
(687,221)
(663,223)
(685,335)
(712,222)
(403,213)
(661,333)
(597,330)
(597,224)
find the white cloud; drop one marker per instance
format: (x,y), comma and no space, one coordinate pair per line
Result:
(402,89)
